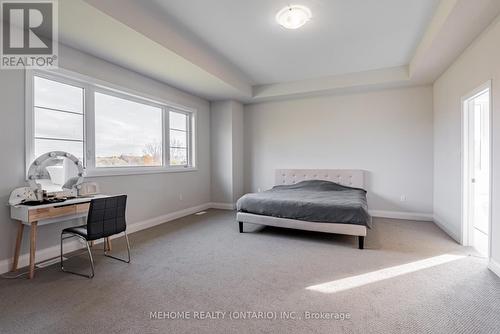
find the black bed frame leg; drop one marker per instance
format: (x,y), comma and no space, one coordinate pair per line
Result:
(241,226)
(361,242)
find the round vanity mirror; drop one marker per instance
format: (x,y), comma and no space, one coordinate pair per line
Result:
(56,172)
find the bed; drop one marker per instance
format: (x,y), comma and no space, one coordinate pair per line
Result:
(327,200)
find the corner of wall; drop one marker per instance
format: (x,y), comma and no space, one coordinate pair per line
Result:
(227,150)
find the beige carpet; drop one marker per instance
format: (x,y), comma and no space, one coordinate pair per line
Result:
(201,263)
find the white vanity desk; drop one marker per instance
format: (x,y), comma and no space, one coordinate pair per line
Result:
(37,215)
(52,174)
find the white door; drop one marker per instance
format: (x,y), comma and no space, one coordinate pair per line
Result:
(477,167)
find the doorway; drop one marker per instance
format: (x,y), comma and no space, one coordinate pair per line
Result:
(477,169)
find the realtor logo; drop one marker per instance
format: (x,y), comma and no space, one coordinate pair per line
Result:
(29,34)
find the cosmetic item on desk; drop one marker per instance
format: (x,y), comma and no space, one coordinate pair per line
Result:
(24,194)
(88,189)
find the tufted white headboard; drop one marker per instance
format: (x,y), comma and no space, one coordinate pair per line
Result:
(347,177)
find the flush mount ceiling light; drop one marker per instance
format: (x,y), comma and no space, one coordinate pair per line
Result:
(293,16)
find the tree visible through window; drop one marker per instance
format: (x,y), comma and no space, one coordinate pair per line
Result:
(127,133)
(109,130)
(179,140)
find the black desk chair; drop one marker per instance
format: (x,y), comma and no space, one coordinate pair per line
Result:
(106,218)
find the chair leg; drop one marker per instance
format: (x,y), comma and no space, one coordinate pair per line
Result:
(241,226)
(61,258)
(91,259)
(91,275)
(117,258)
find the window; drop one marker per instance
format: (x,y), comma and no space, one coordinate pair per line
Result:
(58,118)
(109,130)
(127,133)
(179,138)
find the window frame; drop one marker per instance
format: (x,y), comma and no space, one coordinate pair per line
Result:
(127,97)
(91,86)
(189,135)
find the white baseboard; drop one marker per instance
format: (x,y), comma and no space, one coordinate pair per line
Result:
(72,245)
(223,206)
(402,215)
(41,254)
(419,217)
(453,234)
(166,218)
(494,267)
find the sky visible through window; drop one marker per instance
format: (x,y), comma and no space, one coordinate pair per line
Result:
(127,133)
(178,138)
(58,117)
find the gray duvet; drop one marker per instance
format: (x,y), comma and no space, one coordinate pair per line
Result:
(313,200)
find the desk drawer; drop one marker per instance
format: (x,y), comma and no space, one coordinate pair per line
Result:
(52,212)
(82,208)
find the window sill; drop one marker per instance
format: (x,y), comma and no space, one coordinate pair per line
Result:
(117,171)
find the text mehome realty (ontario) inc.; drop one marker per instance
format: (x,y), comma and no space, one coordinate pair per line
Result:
(248,315)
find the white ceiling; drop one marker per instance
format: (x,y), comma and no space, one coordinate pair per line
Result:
(233,49)
(344,36)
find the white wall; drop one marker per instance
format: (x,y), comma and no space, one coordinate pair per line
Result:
(150,195)
(387,133)
(478,64)
(238,145)
(221,142)
(226,135)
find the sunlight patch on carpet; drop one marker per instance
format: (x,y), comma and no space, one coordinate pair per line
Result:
(382,274)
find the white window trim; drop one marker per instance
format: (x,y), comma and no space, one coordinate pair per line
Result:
(190,136)
(91,85)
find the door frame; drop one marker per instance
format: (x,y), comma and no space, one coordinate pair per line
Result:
(465,223)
